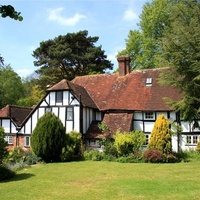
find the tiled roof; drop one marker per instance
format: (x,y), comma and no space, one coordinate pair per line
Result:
(118,121)
(77,90)
(16,113)
(129,92)
(115,121)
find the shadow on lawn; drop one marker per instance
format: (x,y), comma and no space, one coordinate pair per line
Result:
(19,177)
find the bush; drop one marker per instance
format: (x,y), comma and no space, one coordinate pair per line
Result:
(153,156)
(73,149)
(93,155)
(6,173)
(3,145)
(110,148)
(48,138)
(127,143)
(171,158)
(18,155)
(198,147)
(161,135)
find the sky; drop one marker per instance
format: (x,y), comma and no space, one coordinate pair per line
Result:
(110,20)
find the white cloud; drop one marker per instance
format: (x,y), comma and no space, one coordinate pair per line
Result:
(130,15)
(55,15)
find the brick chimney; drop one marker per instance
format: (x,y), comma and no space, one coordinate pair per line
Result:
(124,65)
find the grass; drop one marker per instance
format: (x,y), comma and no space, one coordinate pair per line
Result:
(104,180)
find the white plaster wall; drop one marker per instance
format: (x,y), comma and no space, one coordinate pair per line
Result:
(77,118)
(69,126)
(148,126)
(138,115)
(52,98)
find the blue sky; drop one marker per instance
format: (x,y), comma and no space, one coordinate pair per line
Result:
(110,20)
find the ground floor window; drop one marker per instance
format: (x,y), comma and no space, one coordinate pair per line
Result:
(147,139)
(27,141)
(9,139)
(191,139)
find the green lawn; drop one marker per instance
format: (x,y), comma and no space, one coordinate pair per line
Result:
(104,180)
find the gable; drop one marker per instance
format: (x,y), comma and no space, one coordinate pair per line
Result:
(16,113)
(78,91)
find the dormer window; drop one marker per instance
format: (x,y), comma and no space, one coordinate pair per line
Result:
(148,81)
(59,97)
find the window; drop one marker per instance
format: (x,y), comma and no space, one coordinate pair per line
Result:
(8,139)
(59,97)
(148,81)
(69,113)
(149,115)
(147,139)
(191,139)
(47,109)
(27,141)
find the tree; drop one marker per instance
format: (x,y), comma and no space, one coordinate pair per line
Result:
(181,52)
(48,138)
(33,92)
(143,45)
(3,145)
(161,135)
(68,56)
(11,87)
(9,11)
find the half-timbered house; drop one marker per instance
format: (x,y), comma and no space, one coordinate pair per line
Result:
(123,101)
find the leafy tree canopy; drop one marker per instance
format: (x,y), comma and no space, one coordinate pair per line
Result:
(11,87)
(9,11)
(68,56)
(143,45)
(181,51)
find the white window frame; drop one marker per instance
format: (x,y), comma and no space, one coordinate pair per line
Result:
(192,139)
(25,141)
(149,115)
(9,139)
(70,113)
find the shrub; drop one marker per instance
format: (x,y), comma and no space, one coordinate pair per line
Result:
(5,173)
(48,138)
(161,135)
(171,158)
(153,156)
(198,147)
(131,158)
(110,148)
(16,155)
(31,158)
(94,155)
(127,143)
(3,145)
(73,149)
